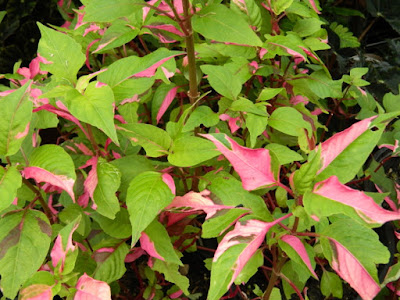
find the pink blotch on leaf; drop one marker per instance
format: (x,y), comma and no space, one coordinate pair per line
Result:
(37,292)
(333,146)
(23,134)
(169,97)
(252,165)
(364,205)
(352,271)
(168,180)
(150,72)
(314,6)
(42,175)
(298,246)
(134,255)
(91,289)
(58,253)
(148,245)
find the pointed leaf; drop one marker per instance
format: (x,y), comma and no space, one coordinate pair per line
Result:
(223,80)
(169,93)
(16,111)
(252,165)
(217,22)
(296,245)
(217,225)
(189,151)
(331,285)
(172,274)
(119,227)
(154,140)
(283,153)
(331,197)
(89,288)
(288,120)
(10,182)
(110,263)
(159,241)
(24,242)
(106,11)
(95,107)
(109,179)
(63,54)
(147,195)
(51,164)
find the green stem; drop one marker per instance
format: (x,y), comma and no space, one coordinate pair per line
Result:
(189,40)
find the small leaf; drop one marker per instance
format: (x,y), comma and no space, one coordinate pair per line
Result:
(331,285)
(147,195)
(172,274)
(89,288)
(51,164)
(190,150)
(201,115)
(110,263)
(16,114)
(10,182)
(252,165)
(63,54)
(288,120)
(284,154)
(154,140)
(219,23)
(24,242)
(120,227)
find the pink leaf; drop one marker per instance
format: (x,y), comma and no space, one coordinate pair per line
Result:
(168,180)
(42,175)
(166,27)
(252,165)
(91,180)
(149,72)
(298,246)
(352,271)
(252,233)
(292,52)
(364,205)
(20,135)
(169,97)
(37,292)
(148,245)
(333,146)
(91,289)
(314,6)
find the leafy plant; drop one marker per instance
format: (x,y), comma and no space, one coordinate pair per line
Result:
(169,110)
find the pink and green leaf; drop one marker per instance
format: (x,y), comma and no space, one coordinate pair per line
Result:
(89,288)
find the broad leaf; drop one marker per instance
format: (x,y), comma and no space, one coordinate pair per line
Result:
(218,224)
(24,242)
(89,288)
(163,97)
(63,54)
(10,182)
(252,165)
(331,285)
(217,22)
(283,153)
(119,227)
(190,150)
(331,197)
(95,107)
(147,195)
(303,179)
(288,120)
(51,164)
(223,80)
(37,292)
(157,243)
(154,140)
(16,111)
(201,115)
(110,263)
(109,179)
(172,274)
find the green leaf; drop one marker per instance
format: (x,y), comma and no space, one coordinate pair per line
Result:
(70,214)
(128,88)
(147,195)
(331,284)
(2,15)
(347,164)
(190,150)
(361,241)
(307,27)
(269,93)
(201,115)
(10,182)
(288,120)
(109,179)
(279,6)
(16,111)
(95,107)
(250,268)
(119,228)
(214,226)
(297,273)
(347,39)
(154,140)
(106,11)
(219,23)
(222,80)
(256,125)
(246,105)
(250,9)
(391,102)
(162,242)
(304,177)
(283,154)
(63,53)
(172,274)
(110,265)
(130,166)
(24,242)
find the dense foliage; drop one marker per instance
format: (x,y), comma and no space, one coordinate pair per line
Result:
(187,127)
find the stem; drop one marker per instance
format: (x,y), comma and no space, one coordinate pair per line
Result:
(43,203)
(287,189)
(189,40)
(275,274)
